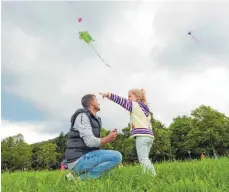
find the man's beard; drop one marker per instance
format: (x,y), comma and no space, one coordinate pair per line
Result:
(97,108)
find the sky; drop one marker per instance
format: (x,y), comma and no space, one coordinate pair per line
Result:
(46,69)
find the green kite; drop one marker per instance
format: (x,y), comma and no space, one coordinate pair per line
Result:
(85,36)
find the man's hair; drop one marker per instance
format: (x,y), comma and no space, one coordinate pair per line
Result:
(86,100)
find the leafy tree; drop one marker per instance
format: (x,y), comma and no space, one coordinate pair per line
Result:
(161,149)
(179,131)
(60,142)
(209,132)
(16,154)
(47,155)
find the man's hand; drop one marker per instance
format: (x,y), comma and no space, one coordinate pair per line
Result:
(110,137)
(107,95)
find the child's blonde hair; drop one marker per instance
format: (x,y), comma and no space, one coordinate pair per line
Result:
(140,94)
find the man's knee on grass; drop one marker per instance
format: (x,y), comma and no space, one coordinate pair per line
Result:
(117,157)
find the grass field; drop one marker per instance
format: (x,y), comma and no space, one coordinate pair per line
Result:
(210,175)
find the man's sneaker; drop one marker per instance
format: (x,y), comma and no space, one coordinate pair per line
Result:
(70,177)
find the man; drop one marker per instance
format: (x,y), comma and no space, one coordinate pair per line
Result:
(84,157)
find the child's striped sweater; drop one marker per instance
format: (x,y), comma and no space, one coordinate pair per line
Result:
(139,116)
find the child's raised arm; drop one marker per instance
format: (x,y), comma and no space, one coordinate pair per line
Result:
(125,103)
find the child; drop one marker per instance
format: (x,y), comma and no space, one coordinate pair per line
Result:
(140,122)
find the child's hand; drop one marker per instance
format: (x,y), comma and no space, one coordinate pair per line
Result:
(105,95)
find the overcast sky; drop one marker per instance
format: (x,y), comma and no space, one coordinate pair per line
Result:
(46,69)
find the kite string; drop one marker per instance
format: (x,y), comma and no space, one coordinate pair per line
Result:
(98,54)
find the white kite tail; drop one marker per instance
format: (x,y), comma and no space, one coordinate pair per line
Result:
(99,55)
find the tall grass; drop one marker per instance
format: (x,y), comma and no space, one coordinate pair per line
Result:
(209,175)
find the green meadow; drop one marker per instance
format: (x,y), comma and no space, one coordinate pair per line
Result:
(209,175)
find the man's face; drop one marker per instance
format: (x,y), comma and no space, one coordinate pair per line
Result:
(95,104)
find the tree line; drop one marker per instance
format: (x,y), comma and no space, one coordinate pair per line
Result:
(205,131)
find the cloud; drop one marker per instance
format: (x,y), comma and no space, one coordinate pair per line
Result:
(144,42)
(58,78)
(32,131)
(178,52)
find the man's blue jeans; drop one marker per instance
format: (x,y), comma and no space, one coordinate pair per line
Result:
(93,164)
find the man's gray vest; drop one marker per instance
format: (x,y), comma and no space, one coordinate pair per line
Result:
(75,144)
